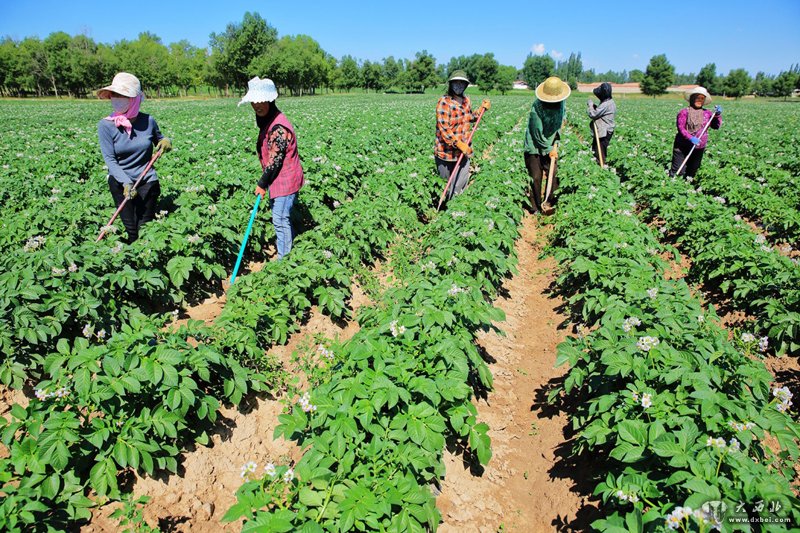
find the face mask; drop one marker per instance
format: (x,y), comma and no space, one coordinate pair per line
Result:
(459,87)
(120,103)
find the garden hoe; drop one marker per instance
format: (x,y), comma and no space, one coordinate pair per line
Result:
(246,236)
(125,200)
(549,209)
(599,148)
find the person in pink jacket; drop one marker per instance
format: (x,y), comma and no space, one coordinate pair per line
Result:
(690,124)
(277,151)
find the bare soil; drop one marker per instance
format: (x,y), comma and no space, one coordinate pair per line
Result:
(525,486)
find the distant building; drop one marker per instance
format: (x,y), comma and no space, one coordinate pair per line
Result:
(520,84)
(681,88)
(616,88)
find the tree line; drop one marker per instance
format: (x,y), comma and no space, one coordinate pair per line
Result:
(63,65)
(75,66)
(660,74)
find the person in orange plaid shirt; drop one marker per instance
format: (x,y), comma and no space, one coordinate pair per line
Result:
(453,117)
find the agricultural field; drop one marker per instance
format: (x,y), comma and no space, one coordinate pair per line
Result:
(475,369)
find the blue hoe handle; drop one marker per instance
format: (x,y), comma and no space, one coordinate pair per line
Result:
(246,236)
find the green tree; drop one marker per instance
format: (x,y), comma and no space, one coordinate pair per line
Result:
(784,84)
(297,63)
(85,70)
(421,72)
(737,83)
(536,69)
(372,76)
(658,76)
(487,76)
(635,76)
(392,71)
(238,46)
(571,69)
(506,76)
(56,59)
(762,84)
(349,73)
(187,64)
(707,77)
(149,60)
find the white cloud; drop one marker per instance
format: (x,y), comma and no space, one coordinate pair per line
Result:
(538,48)
(555,54)
(636,56)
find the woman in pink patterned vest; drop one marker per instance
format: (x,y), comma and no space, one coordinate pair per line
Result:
(277,151)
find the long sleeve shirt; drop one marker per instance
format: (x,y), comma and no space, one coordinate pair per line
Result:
(537,140)
(684,132)
(452,125)
(273,152)
(602,116)
(127,156)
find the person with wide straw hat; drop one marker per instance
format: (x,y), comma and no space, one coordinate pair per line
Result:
(454,115)
(276,147)
(126,142)
(544,127)
(692,137)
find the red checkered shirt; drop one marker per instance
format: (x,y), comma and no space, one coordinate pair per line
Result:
(452,124)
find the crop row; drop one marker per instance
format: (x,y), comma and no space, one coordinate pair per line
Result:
(135,401)
(375,427)
(56,281)
(726,254)
(673,413)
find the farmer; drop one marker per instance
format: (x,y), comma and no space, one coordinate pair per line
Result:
(453,117)
(126,142)
(277,151)
(690,124)
(602,117)
(544,124)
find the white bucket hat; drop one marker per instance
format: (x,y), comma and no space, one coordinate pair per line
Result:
(259,90)
(697,90)
(123,84)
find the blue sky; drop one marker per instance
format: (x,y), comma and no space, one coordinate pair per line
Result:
(762,35)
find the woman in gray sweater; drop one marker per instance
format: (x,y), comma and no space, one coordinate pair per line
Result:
(126,141)
(602,116)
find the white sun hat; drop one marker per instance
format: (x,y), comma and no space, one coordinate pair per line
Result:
(697,90)
(259,90)
(123,84)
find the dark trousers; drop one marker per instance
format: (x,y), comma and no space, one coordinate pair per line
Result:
(537,167)
(140,210)
(603,146)
(680,149)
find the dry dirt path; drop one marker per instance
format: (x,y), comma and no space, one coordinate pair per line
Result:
(525,487)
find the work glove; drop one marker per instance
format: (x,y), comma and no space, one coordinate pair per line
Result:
(464,147)
(554,153)
(128,191)
(695,140)
(486,104)
(717,109)
(260,192)
(164,145)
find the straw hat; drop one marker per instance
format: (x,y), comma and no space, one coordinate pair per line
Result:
(552,90)
(458,75)
(259,90)
(697,90)
(123,84)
